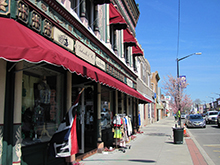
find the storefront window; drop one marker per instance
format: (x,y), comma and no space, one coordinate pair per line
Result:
(41,105)
(106,113)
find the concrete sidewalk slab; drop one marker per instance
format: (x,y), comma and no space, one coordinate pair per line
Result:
(155,146)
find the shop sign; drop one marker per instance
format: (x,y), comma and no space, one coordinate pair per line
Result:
(62,39)
(100,63)
(182,80)
(129,83)
(85,53)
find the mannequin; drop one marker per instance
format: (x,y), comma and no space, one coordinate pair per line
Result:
(42,95)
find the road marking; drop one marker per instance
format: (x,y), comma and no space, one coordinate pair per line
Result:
(216,151)
(212,145)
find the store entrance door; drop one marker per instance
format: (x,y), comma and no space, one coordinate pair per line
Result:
(85,115)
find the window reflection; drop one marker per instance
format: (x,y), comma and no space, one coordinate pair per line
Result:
(106,113)
(41,106)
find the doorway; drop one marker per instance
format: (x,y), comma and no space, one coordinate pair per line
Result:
(86,130)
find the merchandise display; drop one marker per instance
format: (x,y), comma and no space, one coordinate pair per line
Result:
(122,131)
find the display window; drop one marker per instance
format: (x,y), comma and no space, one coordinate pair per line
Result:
(106,113)
(42,100)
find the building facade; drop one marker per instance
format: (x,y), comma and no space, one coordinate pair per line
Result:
(145,88)
(155,78)
(49,51)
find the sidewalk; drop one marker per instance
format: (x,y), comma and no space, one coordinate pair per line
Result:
(154,146)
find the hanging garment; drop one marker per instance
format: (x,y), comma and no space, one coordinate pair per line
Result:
(117,121)
(126,122)
(117,133)
(125,130)
(129,125)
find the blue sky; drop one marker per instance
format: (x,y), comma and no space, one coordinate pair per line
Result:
(157,33)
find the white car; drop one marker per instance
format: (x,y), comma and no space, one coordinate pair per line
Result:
(183,115)
(211,117)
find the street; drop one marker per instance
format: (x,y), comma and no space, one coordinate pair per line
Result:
(209,139)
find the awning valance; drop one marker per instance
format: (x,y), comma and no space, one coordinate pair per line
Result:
(19,43)
(129,39)
(116,19)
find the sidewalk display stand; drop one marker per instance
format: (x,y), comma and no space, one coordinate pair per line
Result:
(178,135)
(122,131)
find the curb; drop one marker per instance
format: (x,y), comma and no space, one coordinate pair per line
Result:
(202,151)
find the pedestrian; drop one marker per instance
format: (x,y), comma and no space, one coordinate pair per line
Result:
(178,116)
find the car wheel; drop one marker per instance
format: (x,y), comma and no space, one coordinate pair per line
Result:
(218,124)
(204,127)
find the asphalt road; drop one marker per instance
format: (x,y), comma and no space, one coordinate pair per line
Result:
(209,139)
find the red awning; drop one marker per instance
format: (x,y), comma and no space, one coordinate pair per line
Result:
(19,43)
(136,50)
(116,19)
(129,38)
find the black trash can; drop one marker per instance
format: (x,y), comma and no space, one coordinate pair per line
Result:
(178,135)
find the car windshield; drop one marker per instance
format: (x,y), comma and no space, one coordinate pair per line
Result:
(213,113)
(196,117)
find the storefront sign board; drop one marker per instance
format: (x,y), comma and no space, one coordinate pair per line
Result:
(85,53)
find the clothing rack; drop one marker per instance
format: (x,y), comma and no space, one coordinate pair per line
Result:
(121,132)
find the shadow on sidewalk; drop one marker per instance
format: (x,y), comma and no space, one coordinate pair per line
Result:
(121,160)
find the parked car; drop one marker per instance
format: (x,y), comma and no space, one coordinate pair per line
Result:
(218,119)
(203,115)
(183,115)
(195,120)
(211,117)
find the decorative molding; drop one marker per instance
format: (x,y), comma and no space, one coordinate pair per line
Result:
(22,11)
(5,7)
(47,28)
(35,21)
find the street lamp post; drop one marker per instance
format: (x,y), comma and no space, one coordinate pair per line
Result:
(177,60)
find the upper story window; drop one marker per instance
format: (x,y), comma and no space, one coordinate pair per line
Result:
(126,53)
(89,14)
(75,6)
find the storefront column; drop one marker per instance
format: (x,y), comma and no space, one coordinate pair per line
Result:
(135,115)
(72,158)
(8,136)
(122,103)
(69,90)
(2,90)
(127,105)
(17,139)
(116,102)
(2,101)
(100,144)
